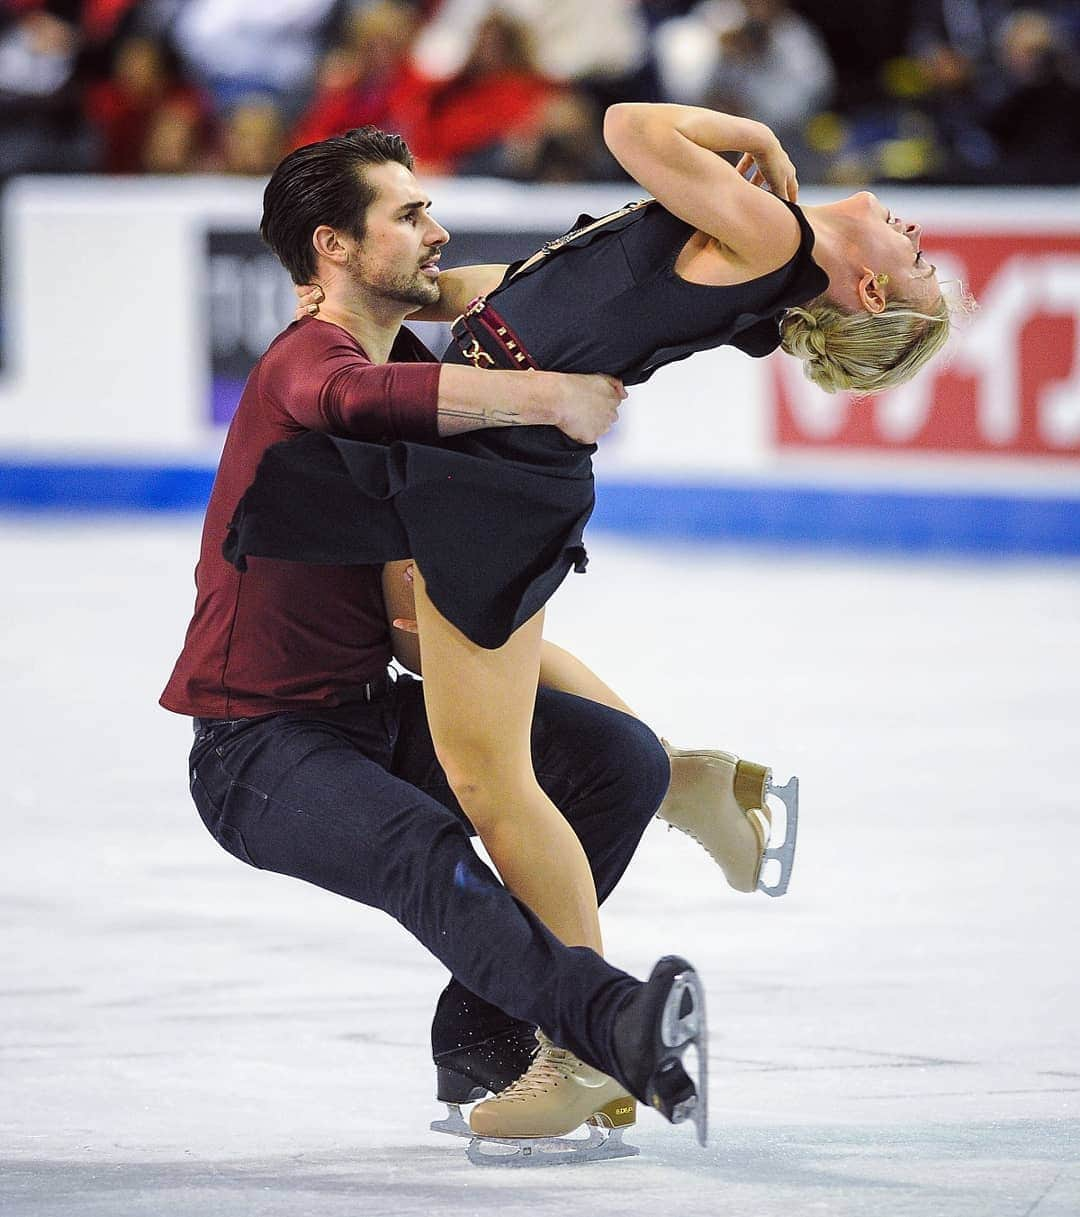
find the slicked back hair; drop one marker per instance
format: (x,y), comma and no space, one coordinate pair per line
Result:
(324,183)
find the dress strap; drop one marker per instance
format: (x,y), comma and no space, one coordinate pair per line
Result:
(550,247)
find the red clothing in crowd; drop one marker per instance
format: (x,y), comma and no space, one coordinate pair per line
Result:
(287,635)
(333,111)
(125,119)
(446,121)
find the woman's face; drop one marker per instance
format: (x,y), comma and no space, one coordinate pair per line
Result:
(890,245)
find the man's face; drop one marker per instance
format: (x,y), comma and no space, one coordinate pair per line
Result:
(399,254)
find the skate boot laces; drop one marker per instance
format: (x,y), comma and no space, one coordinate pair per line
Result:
(549,1067)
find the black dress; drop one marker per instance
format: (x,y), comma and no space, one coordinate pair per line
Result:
(494,519)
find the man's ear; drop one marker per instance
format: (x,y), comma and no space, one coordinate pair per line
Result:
(871,291)
(328,244)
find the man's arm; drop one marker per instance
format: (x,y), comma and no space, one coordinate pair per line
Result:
(324,384)
(583,407)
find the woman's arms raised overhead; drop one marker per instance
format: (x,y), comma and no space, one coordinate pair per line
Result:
(673,151)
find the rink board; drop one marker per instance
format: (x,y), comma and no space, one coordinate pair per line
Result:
(122,367)
(1003,525)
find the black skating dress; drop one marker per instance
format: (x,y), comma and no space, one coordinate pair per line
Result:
(494,519)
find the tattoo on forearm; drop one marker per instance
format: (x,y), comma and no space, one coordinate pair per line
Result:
(502,418)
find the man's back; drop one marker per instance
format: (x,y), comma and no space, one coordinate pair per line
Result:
(284,635)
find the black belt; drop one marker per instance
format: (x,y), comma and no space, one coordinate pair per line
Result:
(371,690)
(487,341)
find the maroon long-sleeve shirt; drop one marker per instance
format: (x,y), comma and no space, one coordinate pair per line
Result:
(287,635)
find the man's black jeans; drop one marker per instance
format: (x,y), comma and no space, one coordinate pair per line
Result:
(356,803)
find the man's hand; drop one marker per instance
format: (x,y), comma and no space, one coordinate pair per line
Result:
(408,624)
(587,406)
(309,297)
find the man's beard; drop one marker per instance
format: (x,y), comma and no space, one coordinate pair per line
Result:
(412,289)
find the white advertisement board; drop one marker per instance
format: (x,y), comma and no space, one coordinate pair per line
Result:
(133,308)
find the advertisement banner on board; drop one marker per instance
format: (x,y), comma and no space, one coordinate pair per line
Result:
(251,296)
(1010,385)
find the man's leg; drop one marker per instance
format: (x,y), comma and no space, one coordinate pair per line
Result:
(607,773)
(298,797)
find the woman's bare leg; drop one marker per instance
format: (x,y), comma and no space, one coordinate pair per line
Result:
(480,707)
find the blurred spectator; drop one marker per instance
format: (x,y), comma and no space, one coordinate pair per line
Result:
(565,145)
(238,48)
(149,118)
(656,11)
(919,90)
(861,39)
(602,46)
(759,52)
(1037,123)
(41,124)
(357,79)
(461,124)
(772,65)
(952,47)
(252,138)
(750,57)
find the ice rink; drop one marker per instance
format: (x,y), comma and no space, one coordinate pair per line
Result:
(898,1037)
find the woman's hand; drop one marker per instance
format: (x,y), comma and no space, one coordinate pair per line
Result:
(309,296)
(772,170)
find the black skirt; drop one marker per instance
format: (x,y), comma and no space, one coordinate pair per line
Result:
(494,519)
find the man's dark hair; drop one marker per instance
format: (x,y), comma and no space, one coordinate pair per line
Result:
(324,183)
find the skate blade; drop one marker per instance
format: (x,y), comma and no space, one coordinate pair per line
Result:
(601,1144)
(784,853)
(455,1123)
(683,1024)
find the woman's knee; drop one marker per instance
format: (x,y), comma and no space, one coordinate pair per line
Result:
(481,782)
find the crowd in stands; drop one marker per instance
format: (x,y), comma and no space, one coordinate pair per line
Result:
(971,91)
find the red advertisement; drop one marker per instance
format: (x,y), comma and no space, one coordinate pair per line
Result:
(1009,383)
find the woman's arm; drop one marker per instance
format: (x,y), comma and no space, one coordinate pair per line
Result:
(672,151)
(458,288)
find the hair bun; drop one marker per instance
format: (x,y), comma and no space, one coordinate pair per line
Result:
(804,336)
(860,351)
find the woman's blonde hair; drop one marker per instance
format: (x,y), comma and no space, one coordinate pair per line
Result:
(864,352)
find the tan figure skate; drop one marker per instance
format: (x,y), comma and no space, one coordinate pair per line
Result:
(525,1124)
(722,802)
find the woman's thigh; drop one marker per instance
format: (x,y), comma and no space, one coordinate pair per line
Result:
(479,701)
(605,771)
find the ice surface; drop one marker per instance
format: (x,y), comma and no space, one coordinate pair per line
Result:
(900,1035)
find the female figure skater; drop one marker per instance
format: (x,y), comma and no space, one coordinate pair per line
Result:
(493,520)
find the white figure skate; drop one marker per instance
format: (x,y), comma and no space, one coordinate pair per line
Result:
(723,803)
(526,1124)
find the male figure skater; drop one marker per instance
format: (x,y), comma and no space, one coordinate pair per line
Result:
(309,760)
